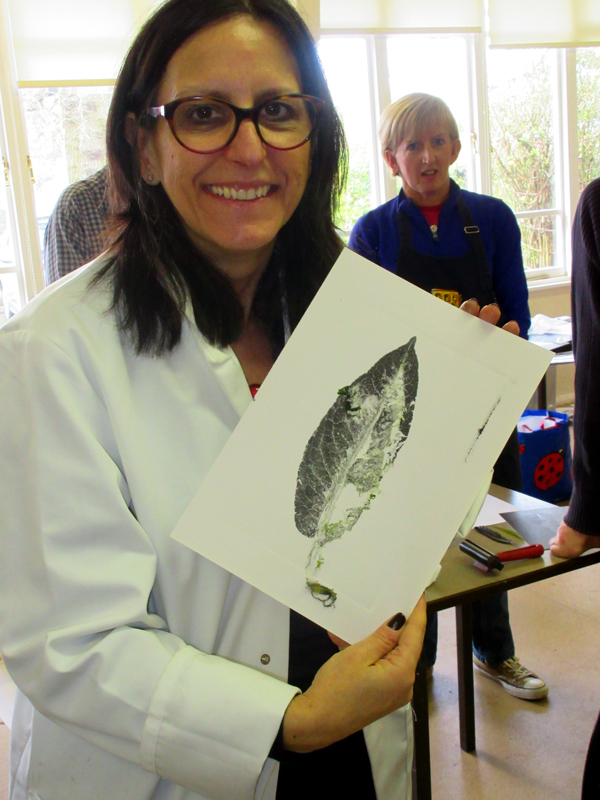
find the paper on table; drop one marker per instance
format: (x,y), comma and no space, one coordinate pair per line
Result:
(491,510)
(537,525)
(243,515)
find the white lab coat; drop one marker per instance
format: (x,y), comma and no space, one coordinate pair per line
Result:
(149,671)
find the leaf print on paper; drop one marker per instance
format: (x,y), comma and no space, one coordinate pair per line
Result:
(355,444)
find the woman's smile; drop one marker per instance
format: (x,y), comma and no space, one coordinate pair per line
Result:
(237,192)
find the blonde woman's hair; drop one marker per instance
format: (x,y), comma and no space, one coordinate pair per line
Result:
(411,114)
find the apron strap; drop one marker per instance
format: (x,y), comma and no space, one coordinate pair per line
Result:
(474,237)
(406,240)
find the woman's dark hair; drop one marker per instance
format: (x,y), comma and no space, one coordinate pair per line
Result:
(155,269)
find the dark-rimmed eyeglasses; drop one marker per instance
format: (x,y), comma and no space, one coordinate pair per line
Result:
(207,124)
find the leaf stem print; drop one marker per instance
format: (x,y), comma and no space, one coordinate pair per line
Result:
(354,445)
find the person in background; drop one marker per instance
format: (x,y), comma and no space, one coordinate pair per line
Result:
(74,234)
(580,529)
(143,669)
(464,248)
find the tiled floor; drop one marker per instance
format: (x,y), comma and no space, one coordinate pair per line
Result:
(525,751)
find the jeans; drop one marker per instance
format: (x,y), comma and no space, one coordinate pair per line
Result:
(492,636)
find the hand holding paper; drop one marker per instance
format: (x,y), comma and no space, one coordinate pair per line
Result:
(490,313)
(357,686)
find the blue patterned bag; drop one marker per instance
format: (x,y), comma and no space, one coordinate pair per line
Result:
(545,449)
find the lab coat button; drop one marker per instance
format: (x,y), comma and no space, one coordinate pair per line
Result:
(265,658)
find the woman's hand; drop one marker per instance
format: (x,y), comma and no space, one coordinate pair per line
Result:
(357,686)
(569,543)
(490,313)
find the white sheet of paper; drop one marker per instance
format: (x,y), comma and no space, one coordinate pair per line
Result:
(474,382)
(491,510)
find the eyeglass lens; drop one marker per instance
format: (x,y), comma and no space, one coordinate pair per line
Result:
(206,124)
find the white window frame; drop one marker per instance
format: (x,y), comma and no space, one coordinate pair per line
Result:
(13,143)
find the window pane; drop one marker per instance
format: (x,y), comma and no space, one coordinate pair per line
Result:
(345,64)
(538,237)
(65,132)
(7,256)
(435,65)
(588,113)
(521,96)
(10,302)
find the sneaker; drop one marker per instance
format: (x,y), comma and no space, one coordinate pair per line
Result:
(514,678)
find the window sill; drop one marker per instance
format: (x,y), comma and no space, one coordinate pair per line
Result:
(548,283)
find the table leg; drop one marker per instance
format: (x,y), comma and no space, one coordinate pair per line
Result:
(422,764)
(466,693)
(542,394)
(550,382)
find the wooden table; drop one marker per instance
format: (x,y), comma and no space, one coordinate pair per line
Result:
(458,585)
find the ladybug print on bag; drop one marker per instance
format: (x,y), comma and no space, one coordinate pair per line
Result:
(549,470)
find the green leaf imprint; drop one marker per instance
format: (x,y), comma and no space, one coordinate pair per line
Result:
(355,444)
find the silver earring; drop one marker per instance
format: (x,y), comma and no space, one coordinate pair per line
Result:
(150,178)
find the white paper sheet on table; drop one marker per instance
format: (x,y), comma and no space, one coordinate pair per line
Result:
(491,510)
(474,382)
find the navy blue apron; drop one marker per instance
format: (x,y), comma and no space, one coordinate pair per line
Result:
(453,279)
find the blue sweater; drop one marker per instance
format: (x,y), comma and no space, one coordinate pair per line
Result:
(375,236)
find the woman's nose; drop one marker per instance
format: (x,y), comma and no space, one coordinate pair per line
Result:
(247,146)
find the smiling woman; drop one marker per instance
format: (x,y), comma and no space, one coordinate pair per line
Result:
(141,665)
(250,59)
(223,227)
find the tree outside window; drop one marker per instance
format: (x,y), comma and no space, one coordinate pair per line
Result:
(345,64)
(521,105)
(588,114)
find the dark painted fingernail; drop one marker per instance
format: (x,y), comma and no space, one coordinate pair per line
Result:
(397,622)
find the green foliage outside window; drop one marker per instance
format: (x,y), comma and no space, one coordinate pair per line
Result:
(356,199)
(522,137)
(588,114)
